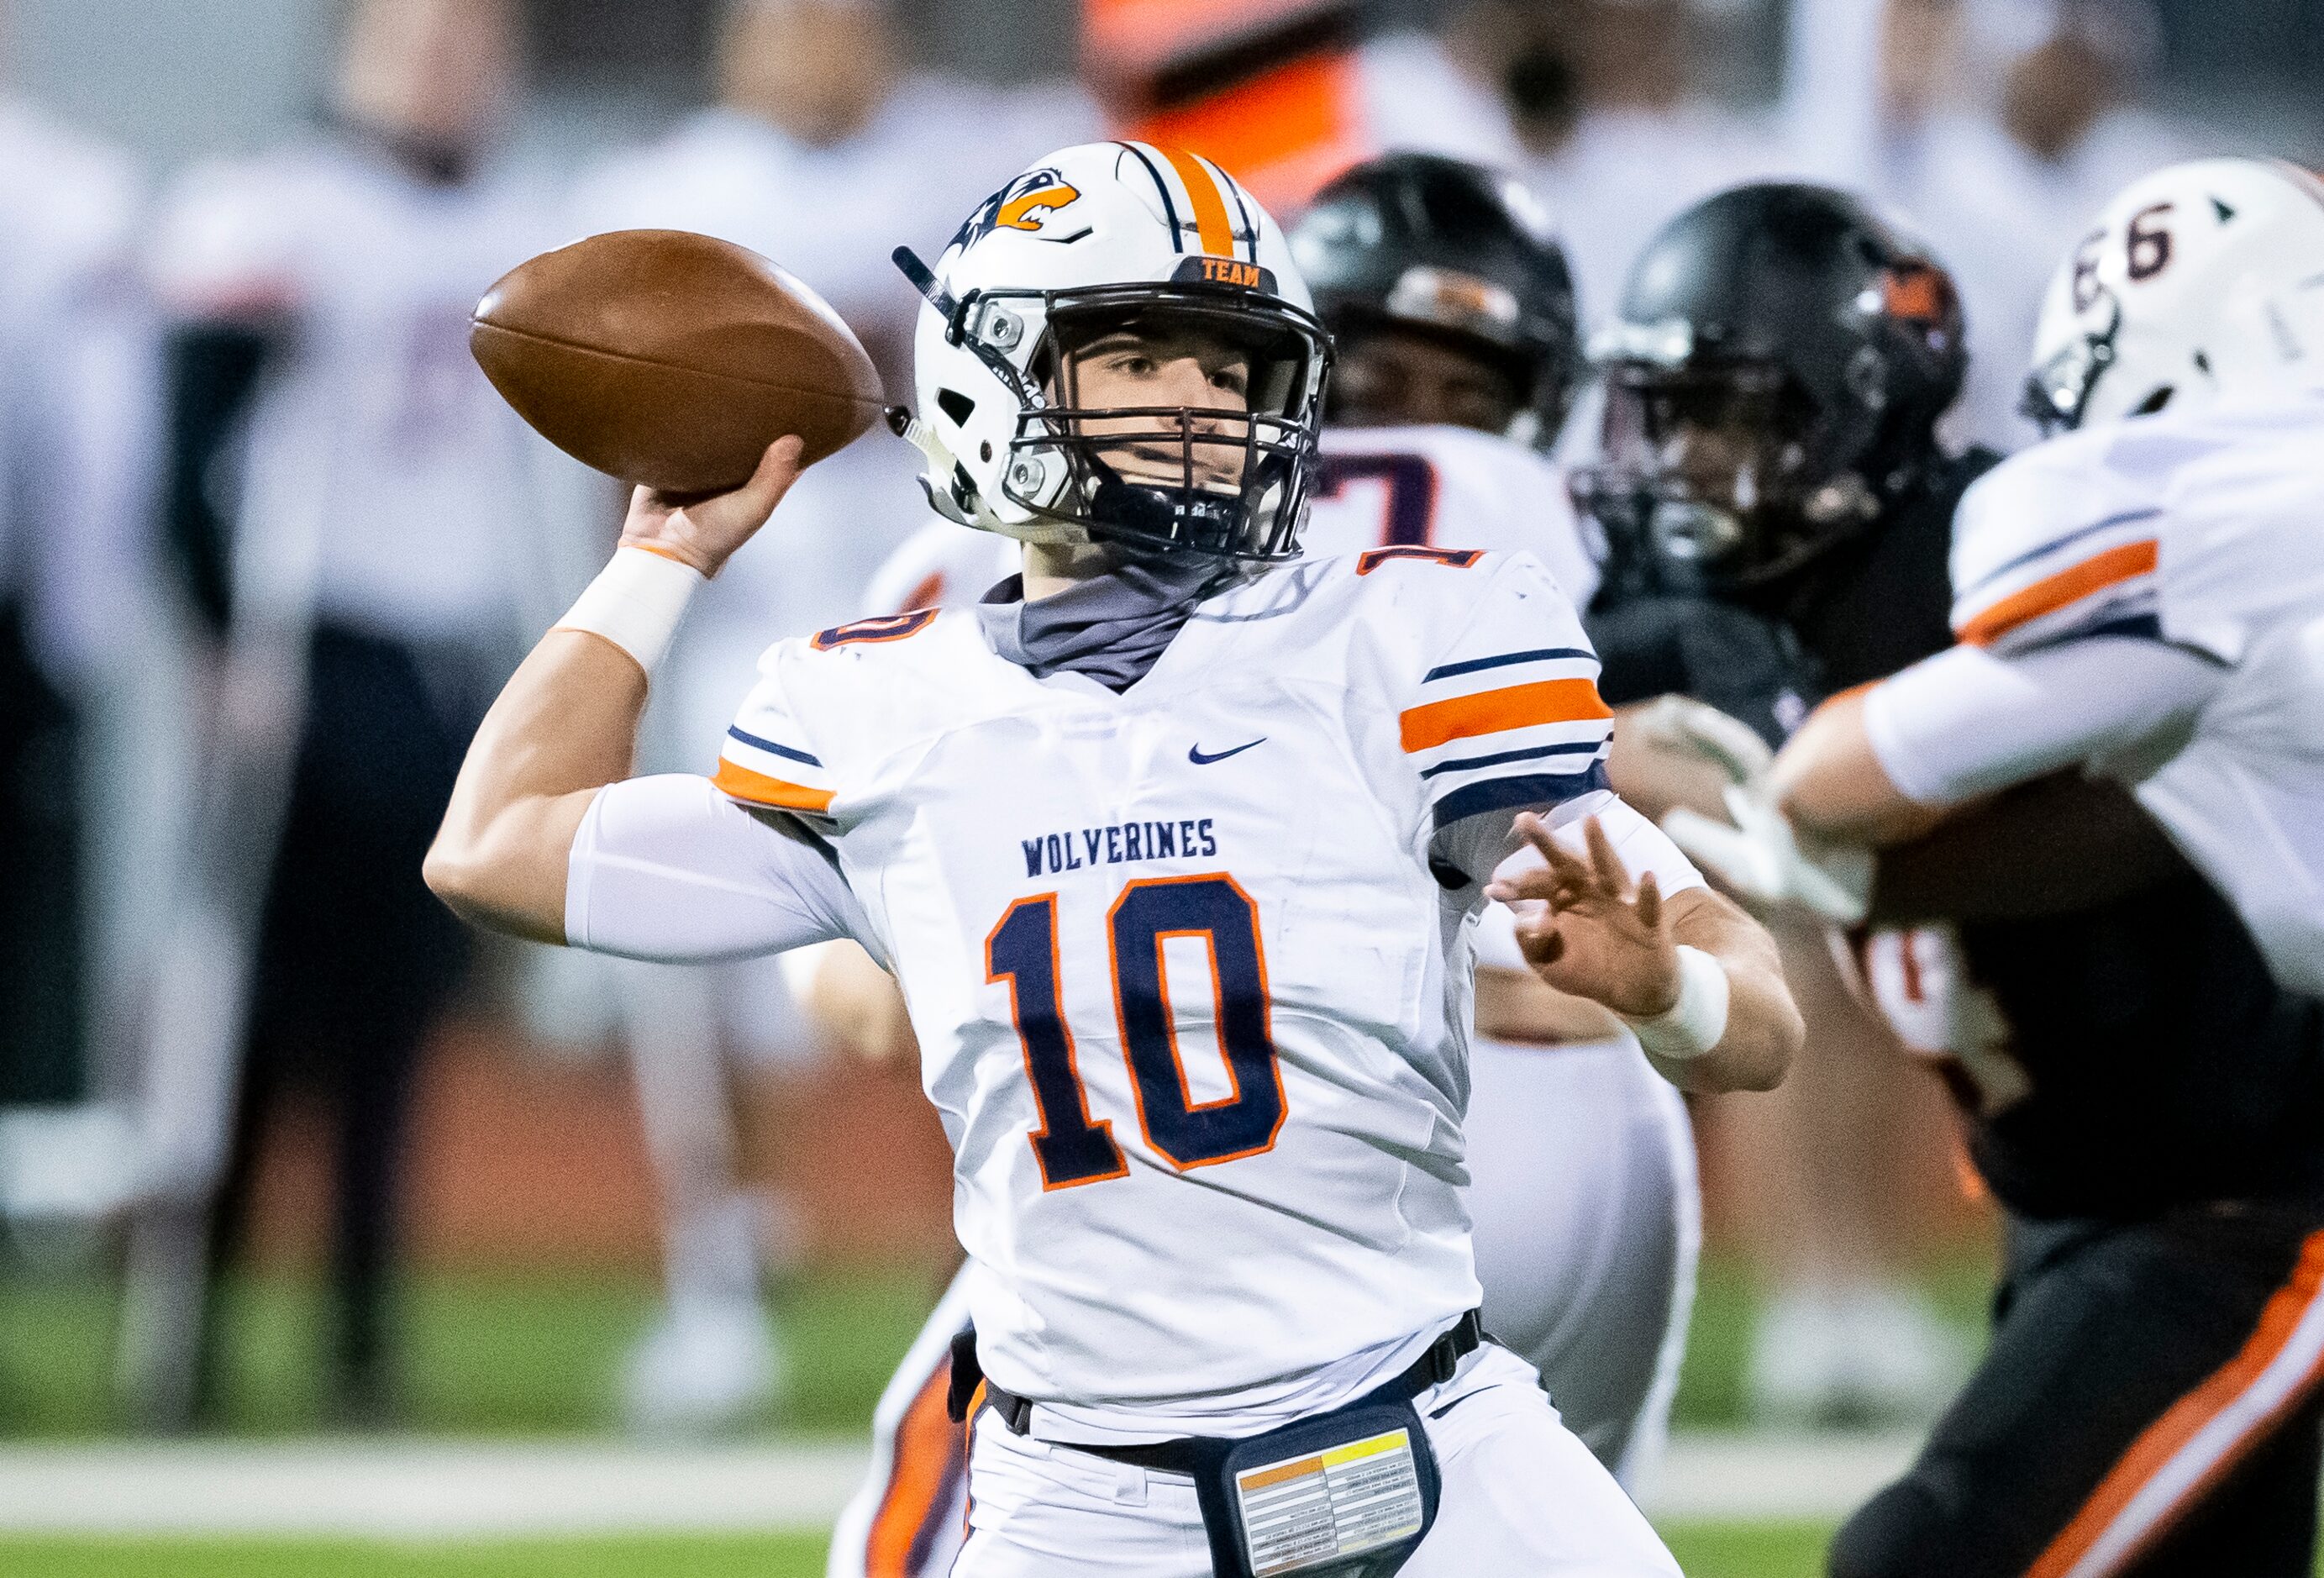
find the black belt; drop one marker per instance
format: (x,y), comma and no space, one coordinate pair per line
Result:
(1183,1457)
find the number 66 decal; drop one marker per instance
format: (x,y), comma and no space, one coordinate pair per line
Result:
(1071,1146)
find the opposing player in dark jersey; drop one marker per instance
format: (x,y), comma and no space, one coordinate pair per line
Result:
(1776,504)
(2140,608)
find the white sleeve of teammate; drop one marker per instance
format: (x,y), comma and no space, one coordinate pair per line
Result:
(1642,846)
(668,869)
(1970,721)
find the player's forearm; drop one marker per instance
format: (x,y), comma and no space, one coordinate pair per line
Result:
(1831,783)
(1764,1030)
(564,727)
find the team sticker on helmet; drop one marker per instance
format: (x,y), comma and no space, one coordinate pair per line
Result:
(1027,203)
(1207,269)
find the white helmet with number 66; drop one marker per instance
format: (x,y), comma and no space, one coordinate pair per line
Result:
(1091,246)
(2202,279)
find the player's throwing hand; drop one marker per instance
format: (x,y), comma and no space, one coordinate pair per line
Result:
(703,533)
(1598,937)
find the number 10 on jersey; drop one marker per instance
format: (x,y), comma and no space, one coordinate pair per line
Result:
(1071,1146)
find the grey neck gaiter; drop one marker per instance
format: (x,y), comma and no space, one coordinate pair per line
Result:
(1112,627)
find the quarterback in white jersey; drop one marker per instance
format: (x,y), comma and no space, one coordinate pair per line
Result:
(1177,858)
(1584,1202)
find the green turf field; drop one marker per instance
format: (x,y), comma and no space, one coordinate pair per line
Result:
(1705,1551)
(537,1353)
(519,1354)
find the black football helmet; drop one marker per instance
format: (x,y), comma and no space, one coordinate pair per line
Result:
(1459,252)
(1773,384)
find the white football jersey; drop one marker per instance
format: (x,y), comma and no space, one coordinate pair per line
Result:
(383,477)
(1438,485)
(1191,1001)
(2201,529)
(78,424)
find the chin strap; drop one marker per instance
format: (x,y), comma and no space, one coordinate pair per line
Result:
(942,462)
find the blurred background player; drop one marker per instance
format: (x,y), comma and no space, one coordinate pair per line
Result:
(828,147)
(1619,128)
(1777,509)
(357,511)
(1287,93)
(1995,126)
(79,617)
(1452,317)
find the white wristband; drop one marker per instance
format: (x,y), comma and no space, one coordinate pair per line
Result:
(637,602)
(1692,1025)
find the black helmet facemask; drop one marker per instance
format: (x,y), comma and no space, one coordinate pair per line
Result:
(1774,382)
(1228,484)
(1722,475)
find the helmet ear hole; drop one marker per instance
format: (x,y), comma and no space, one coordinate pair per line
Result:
(959,407)
(2155,401)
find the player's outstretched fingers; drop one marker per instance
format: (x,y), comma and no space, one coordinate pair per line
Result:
(1612,879)
(1650,904)
(1577,883)
(1552,881)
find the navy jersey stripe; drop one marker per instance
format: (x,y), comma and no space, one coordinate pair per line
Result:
(2124,624)
(769,745)
(1169,208)
(1538,655)
(1470,763)
(1504,794)
(1250,236)
(2054,544)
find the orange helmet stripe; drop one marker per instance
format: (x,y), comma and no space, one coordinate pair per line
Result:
(1205,191)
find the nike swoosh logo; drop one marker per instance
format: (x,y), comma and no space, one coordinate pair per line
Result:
(1199,758)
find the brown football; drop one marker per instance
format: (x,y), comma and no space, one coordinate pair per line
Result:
(673,359)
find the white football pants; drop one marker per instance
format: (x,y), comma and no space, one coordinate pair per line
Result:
(1522,1498)
(1587,1225)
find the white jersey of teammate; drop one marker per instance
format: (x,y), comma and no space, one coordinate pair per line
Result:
(2146,596)
(1066,878)
(379,461)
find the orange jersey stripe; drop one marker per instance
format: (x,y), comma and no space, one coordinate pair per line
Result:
(1211,221)
(1490,712)
(2094,574)
(761,790)
(927,1444)
(2168,1435)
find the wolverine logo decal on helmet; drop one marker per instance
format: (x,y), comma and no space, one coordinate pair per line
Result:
(1026,203)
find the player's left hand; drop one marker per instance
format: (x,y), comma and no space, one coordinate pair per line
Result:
(1598,936)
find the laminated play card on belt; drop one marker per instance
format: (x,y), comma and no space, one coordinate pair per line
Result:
(1309,1513)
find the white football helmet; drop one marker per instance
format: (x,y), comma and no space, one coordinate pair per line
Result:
(1090,241)
(2200,279)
